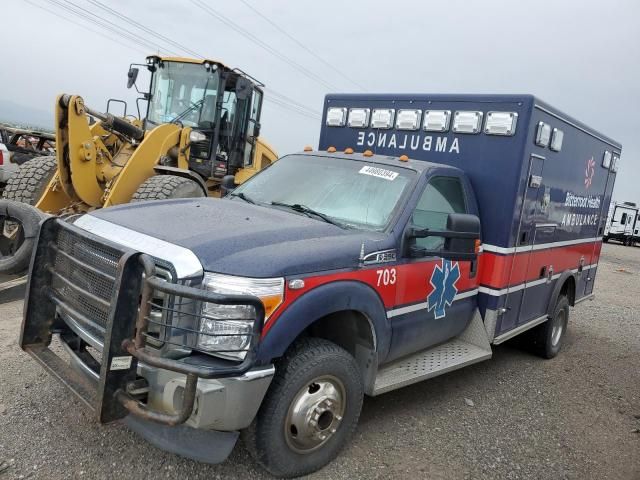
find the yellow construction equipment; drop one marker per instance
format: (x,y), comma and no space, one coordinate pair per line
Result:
(201,125)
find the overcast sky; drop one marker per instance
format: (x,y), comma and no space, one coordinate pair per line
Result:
(582,56)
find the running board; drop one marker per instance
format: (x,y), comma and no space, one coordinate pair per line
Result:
(471,346)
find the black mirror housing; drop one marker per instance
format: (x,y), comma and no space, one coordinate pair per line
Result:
(462,223)
(460,238)
(228,184)
(132,76)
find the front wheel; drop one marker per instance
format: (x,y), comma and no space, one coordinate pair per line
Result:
(310,411)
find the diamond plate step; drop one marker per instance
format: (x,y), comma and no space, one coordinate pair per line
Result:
(470,347)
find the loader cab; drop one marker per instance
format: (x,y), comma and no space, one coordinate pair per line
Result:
(221,105)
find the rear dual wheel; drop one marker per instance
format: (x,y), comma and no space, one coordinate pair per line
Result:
(546,339)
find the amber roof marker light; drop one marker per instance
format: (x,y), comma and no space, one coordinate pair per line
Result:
(348,150)
(308,148)
(367,153)
(331,149)
(404,158)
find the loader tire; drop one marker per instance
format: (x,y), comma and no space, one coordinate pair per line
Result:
(22,222)
(19,219)
(30,180)
(164,187)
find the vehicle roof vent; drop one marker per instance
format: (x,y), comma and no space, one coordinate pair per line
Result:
(631,204)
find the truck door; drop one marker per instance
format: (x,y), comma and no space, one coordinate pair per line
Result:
(438,295)
(532,230)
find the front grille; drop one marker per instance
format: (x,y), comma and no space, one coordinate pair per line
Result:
(200,149)
(83,277)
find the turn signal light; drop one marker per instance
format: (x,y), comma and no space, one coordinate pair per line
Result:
(368,153)
(404,158)
(308,148)
(331,149)
(348,150)
(478,244)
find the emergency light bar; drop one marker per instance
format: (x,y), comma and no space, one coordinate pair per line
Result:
(408,119)
(359,117)
(336,116)
(543,134)
(501,123)
(556,140)
(467,121)
(436,120)
(614,163)
(382,118)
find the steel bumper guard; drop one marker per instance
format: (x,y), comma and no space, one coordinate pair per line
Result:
(113,392)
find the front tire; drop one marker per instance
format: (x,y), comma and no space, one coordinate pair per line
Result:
(310,411)
(164,187)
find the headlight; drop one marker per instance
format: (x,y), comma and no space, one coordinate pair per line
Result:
(197,136)
(229,326)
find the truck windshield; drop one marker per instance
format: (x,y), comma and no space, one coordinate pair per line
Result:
(352,193)
(186,92)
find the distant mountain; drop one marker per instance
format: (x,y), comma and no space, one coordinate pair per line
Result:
(16,114)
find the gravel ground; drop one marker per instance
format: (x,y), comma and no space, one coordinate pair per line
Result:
(577,416)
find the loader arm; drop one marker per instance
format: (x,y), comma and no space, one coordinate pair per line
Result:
(168,139)
(79,150)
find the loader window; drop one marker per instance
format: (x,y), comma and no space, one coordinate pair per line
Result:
(441,196)
(186,92)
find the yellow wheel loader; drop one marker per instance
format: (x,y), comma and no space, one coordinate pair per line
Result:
(198,138)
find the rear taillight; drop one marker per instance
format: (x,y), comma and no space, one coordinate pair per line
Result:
(1,157)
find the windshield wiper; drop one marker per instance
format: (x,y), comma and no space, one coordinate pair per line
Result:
(242,196)
(296,207)
(188,110)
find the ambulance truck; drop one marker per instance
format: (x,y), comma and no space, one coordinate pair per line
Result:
(424,230)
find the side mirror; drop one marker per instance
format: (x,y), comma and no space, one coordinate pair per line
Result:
(132,76)
(243,88)
(460,238)
(228,184)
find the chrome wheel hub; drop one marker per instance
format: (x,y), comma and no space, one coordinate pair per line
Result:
(315,414)
(558,327)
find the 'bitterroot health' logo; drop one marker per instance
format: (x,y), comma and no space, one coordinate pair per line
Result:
(443,280)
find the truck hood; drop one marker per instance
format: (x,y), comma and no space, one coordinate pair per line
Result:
(238,238)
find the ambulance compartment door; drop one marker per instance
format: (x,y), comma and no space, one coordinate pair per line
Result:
(532,206)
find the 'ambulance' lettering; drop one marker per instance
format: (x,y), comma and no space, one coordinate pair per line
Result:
(413,141)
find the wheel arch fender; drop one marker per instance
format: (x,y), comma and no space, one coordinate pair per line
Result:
(321,302)
(181,172)
(568,279)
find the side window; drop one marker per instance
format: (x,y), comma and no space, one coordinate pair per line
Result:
(441,196)
(623,220)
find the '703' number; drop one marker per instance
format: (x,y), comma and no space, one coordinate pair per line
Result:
(386,276)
